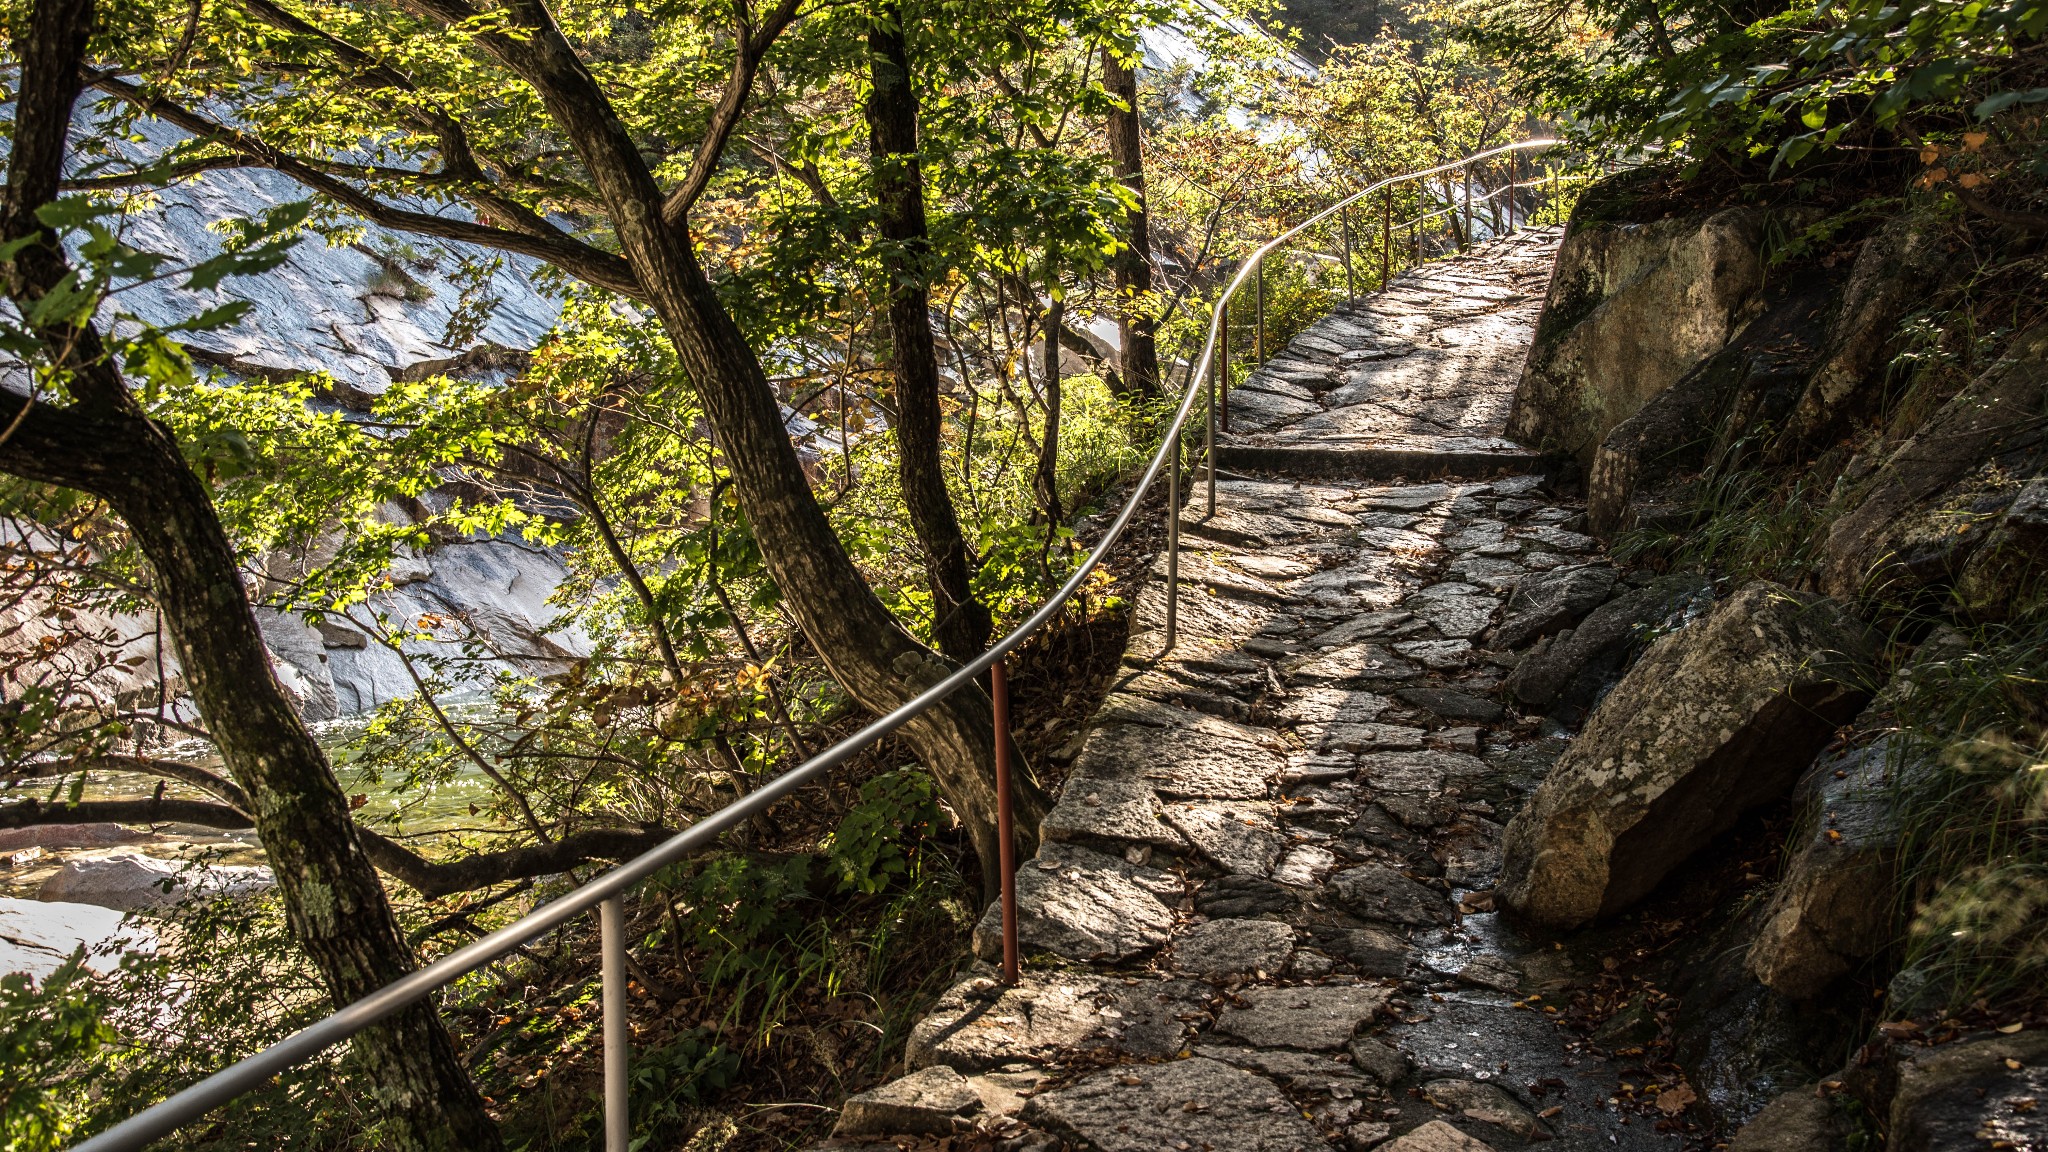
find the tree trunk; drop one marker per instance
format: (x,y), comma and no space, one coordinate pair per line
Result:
(862,645)
(962,622)
(102,443)
(1132,268)
(1046,481)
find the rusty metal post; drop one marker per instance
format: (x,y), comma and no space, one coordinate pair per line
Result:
(1006,850)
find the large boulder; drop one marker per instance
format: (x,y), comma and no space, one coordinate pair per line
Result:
(1575,665)
(1801,1120)
(1631,307)
(1544,602)
(1981,1092)
(1835,905)
(1751,382)
(1937,498)
(1713,720)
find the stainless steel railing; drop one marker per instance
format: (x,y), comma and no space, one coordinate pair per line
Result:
(606,892)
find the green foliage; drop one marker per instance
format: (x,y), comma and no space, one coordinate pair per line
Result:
(668,1082)
(50,1034)
(878,842)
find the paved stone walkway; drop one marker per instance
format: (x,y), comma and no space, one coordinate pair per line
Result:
(1261,916)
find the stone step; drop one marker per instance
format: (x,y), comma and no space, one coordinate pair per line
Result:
(1419,459)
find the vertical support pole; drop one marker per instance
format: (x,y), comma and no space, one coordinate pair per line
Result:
(1468,205)
(1387,236)
(1223,362)
(1209,434)
(1514,168)
(1172,546)
(1350,282)
(1006,852)
(611,918)
(1259,315)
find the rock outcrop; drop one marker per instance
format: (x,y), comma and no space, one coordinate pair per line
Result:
(1714,719)
(1937,497)
(1980,1092)
(1631,308)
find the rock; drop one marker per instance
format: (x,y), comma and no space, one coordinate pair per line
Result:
(978,1024)
(1972,1094)
(69,836)
(1317,1017)
(1084,906)
(38,936)
(1631,307)
(1425,772)
(1544,602)
(2003,578)
(1367,1134)
(1364,627)
(1491,972)
(1901,524)
(1305,866)
(1372,951)
(1379,1059)
(1458,617)
(1242,838)
(1218,948)
(1195,763)
(1801,1120)
(1574,664)
(337,635)
(1451,705)
(931,1101)
(1352,664)
(1436,1136)
(1378,892)
(132,882)
(1306,1072)
(1100,803)
(1201,1102)
(1486,1103)
(1835,906)
(1741,390)
(1243,897)
(1715,719)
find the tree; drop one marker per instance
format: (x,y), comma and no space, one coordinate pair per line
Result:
(91,434)
(501,112)
(1132,267)
(962,622)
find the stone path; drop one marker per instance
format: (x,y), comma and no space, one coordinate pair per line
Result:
(1261,916)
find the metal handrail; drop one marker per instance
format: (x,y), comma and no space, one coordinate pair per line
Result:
(193,1102)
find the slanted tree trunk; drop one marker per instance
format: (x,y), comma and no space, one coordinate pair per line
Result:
(1132,268)
(1045,481)
(963,622)
(865,649)
(102,443)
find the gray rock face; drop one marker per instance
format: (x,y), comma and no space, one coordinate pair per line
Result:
(1545,602)
(1437,1136)
(1084,906)
(1371,951)
(1969,1095)
(1219,948)
(928,1102)
(133,882)
(979,1025)
(1631,307)
(1573,664)
(1379,1059)
(1201,1102)
(1451,705)
(1487,1103)
(1320,1017)
(1900,526)
(1378,892)
(1714,719)
(1834,907)
(1184,763)
(1801,1120)
(1238,837)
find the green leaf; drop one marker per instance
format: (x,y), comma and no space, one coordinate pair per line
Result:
(1993,105)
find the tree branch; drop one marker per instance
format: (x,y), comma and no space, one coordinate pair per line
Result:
(2010,217)
(554,246)
(725,117)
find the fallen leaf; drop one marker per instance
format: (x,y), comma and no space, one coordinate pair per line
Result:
(1674,1101)
(2011,1028)
(1551,1112)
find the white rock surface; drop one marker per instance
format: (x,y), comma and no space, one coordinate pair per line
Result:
(37,937)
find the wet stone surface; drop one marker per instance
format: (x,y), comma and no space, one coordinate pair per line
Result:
(1261,915)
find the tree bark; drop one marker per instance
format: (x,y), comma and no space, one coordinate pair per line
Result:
(1132,269)
(962,622)
(1045,482)
(102,443)
(863,647)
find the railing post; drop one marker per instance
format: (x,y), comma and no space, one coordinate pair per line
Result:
(1514,172)
(1386,236)
(1006,850)
(1172,546)
(1468,204)
(1223,362)
(1259,316)
(618,1130)
(1350,283)
(1209,433)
